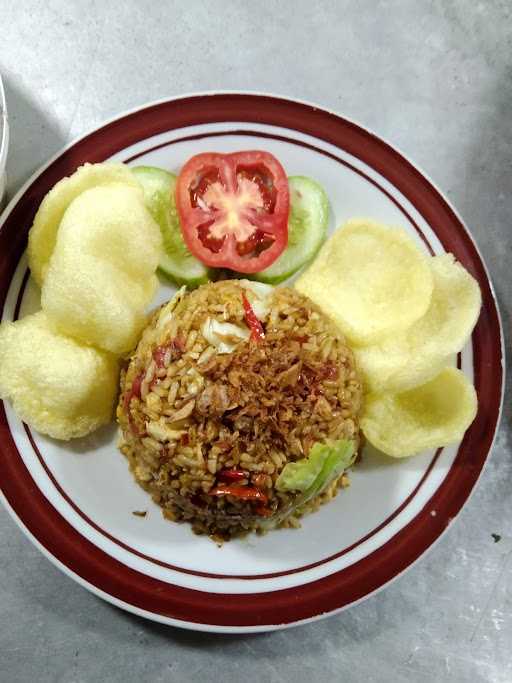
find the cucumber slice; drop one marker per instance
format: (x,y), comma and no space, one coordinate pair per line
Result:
(176,263)
(307,229)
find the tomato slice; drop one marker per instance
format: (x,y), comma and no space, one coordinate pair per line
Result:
(234,209)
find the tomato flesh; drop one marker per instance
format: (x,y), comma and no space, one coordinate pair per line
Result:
(197,190)
(234,209)
(266,189)
(208,240)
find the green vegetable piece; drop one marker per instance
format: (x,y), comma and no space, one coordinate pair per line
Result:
(312,475)
(299,476)
(324,463)
(307,229)
(176,263)
(339,458)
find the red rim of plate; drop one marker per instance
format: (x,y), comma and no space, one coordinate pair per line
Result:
(162,601)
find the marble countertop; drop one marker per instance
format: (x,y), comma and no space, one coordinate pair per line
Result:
(433,78)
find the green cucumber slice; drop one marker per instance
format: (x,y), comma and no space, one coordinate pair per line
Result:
(307,230)
(176,263)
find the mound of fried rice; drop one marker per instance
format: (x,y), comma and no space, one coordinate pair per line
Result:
(205,406)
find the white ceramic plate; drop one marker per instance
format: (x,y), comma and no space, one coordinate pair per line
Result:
(76,500)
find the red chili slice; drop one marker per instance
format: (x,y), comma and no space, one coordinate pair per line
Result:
(242,492)
(257,333)
(160,355)
(178,345)
(329,371)
(234,209)
(134,391)
(231,475)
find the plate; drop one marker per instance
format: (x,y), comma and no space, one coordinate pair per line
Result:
(75,501)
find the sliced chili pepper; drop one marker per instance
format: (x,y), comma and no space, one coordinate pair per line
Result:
(231,475)
(330,371)
(134,390)
(178,345)
(176,348)
(257,333)
(159,355)
(242,492)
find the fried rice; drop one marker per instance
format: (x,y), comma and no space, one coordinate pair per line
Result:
(211,413)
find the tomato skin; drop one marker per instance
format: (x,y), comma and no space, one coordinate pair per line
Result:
(234,209)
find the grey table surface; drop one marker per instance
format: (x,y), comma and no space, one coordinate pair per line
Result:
(434,78)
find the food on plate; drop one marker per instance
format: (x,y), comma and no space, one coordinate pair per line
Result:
(58,385)
(176,261)
(240,407)
(307,229)
(43,234)
(410,358)
(377,363)
(372,280)
(310,476)
(405,371)
(101,274)
(234,209)
(94,249)
(429,416)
